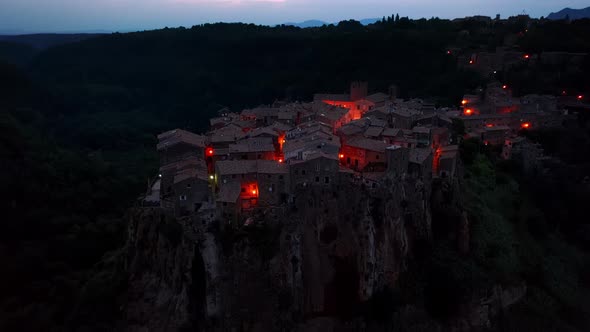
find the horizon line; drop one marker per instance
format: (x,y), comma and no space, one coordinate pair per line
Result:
(20,32)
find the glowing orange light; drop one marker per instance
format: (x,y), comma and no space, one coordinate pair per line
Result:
(504,87)
(254,192)
(526,125)
(580,97)
(210,151)
(280,160)
(284,141)
(463,102)
(489,125)
(468,111)
(470,62)
(526,56)
(341,156)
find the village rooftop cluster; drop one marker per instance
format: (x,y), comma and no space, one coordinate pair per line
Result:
(262,157)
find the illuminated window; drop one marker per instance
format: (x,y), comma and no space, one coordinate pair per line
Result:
(182,197)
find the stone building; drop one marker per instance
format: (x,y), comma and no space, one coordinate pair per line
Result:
(316,170)
(363,154)
(178,144)
(191,189)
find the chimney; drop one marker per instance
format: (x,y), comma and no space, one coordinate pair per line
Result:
(392,92)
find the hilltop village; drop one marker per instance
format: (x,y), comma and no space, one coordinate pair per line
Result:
(259,159)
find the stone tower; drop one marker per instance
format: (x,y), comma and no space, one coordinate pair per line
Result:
(358,90)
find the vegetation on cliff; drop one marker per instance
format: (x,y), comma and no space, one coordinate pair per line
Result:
(514,239)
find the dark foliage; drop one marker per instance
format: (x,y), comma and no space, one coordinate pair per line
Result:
(77,126)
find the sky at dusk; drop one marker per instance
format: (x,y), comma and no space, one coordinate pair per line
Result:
(21,16)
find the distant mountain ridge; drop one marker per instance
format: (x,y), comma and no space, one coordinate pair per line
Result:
(319,23)
(572,14)
(43,41)
(307,24)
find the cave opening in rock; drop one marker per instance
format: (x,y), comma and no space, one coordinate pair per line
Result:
(342,293)
(329,234)
(198,289)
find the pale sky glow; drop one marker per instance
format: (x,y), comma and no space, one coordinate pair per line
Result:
(20,16)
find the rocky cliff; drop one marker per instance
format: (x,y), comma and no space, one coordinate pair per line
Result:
(312,267)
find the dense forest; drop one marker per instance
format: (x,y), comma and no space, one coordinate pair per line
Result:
(78,124)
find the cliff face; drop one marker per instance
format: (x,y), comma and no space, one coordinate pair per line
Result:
(298,269)
(321,259)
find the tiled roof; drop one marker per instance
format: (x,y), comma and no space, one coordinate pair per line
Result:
(314,156)
(391,132)
(377,123)
(229,133)
(419,155)
(498,128)
(378,97)
(485,116)
(421,130)
(334,114)
(244,123)
(367,144)
(255,144)
(381,109)
(219,120)
(373,131)
(349,130)
(406,113)
(190,162)
(272,167)
(229,167)
(310,143)
(261,112)
(263,131)
(177,136)
(281,126)
(186,174)
(361,123)
(287,115)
